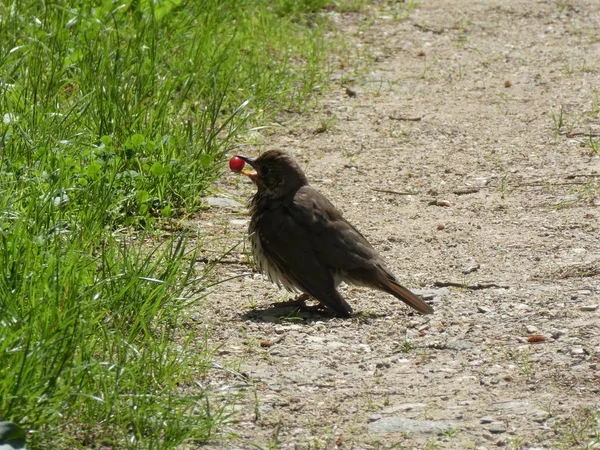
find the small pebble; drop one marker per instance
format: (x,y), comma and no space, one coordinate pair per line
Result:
(471,267)
(350,92)
(588,307)
(496,428)
(557,333)
(487,436)
(531,329)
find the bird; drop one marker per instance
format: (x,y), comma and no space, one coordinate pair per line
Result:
(302,243)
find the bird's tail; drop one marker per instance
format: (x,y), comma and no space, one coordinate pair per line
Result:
(388,283)
(401,293)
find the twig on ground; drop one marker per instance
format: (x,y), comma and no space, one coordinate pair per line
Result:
(387,191)
(474,287)
(465,191)
(573,134)
(591,175)
(240,375)
(431,30)
(221,261)
(405,118)
(546,183)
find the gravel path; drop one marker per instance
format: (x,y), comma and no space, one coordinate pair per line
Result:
(464,154)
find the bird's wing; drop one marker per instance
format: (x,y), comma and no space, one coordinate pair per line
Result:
(287,243)
(338,244)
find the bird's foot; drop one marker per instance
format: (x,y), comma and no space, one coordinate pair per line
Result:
(298,302)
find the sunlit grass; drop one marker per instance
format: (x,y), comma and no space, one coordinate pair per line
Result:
(115,117)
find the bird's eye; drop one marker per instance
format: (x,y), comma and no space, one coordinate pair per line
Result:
(265,171)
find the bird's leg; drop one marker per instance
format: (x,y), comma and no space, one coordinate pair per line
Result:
(298,302)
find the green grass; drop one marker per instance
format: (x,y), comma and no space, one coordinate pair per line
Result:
(580,430)
(115,118)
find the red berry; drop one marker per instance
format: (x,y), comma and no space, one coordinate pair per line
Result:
(236,164)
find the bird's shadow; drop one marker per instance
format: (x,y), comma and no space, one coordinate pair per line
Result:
(293,314)
(277,314)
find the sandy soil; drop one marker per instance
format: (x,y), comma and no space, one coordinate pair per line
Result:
(467,153)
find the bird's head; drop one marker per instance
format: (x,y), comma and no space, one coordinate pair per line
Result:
(275,173)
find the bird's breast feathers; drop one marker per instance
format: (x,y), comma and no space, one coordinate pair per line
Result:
(265,264)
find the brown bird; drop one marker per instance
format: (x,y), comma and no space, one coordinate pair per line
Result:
(302,242)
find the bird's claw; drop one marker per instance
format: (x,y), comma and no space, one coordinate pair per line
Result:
(298,302)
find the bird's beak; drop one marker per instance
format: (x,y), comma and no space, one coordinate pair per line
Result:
(250,173)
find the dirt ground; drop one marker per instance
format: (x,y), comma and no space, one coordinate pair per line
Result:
(467,153)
